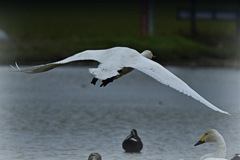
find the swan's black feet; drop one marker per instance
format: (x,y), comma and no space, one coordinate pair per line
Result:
(106,81)
(94,80)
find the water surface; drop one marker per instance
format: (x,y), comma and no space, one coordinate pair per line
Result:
(59,115)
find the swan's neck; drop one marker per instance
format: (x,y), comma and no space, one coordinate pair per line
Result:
(222,150)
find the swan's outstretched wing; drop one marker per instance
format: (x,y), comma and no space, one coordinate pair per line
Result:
(164,76)
(96,55)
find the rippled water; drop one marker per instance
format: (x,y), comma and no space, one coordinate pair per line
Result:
(59,115)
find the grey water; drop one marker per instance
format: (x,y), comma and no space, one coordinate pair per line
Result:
(59,115)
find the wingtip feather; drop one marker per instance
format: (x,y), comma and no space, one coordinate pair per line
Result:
(226,113)
(16,67)
(12,67)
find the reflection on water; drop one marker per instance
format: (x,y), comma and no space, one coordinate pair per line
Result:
(60,115)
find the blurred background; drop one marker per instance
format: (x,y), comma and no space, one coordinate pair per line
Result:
(59,115)
(178,32)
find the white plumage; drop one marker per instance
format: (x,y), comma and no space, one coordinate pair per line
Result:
(213,135)
(117,61)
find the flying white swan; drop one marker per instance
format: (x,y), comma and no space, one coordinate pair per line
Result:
(117,61)
(213,135)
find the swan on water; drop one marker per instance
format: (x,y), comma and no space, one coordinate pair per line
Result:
(117,61)
(213,135)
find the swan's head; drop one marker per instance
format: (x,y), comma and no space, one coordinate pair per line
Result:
(211,135)
(94,156)
(148,54)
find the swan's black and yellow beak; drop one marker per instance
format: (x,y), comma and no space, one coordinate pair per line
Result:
(201,141)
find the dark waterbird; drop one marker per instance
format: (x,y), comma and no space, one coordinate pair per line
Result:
(236,157)
(94,156)
(132,143)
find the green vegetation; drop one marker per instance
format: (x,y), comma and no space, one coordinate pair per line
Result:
(43,34)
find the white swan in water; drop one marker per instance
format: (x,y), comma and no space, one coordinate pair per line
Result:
(117,61)
(213,135)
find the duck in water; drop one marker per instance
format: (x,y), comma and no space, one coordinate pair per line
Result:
(132,143)
(94,156)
